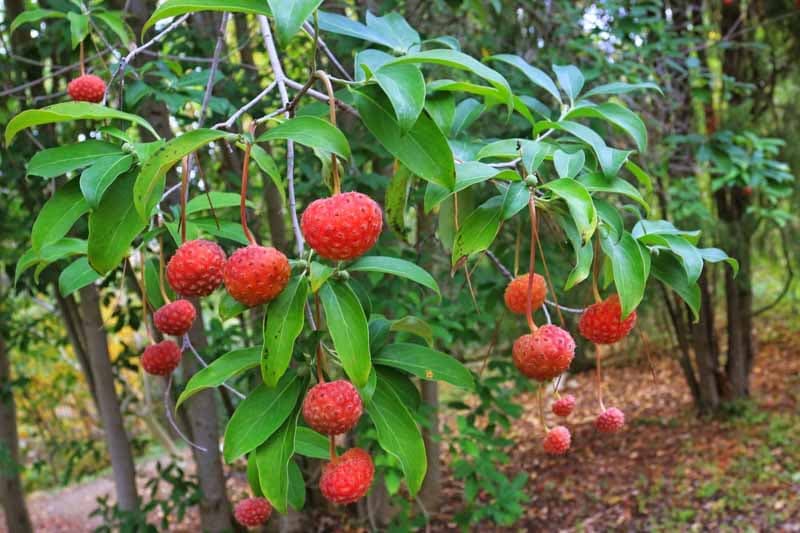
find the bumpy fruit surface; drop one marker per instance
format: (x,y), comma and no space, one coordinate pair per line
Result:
(347,478)
(87,88)
(545,354)
(175,318)
(196,268)
(557,441)
(252,512)
(517,292)
(332,408)
(564,405)
(610,421)
(601,322)
(161,359)
(343,226)
(256,274)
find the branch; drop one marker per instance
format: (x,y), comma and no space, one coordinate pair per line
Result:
(213,71)
(239,112)
(309,29)
(53,74)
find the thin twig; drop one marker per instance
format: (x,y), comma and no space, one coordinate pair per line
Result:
(309,29)
(213,71)
(239,112)
(187,343)
(171,418)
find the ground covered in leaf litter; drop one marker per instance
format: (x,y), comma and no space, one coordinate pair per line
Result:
(667,471)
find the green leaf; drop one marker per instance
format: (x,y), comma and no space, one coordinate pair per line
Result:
(67,111)
(150,182)
(425,363)
(579,202)
(568,165)
(252,475)
(598,183)
(283,322)
(34,15)
(610,216)
(395,28)
(96,179)
(398,434)
(348,328)
(467,174)
(78,27)
(273,459)
(411,324)
(76,276)
(467,112)
(289,15)
(536,76)
(478,231)
(570,79)
(715,255)
(113,226)
(218,201)
(395,204)
(174,8)
(260,415)
(515,198)
(58,215)
(405,88)
(423,149)
(401,384)
(617,88)
(663,227)
(319,274)
(297,486)
(610,159)
(312,132)
(618,115)
(229,308)
(53,162)
(114,21)
(628,267)
(339,24)
(442,109)
(667,269)
(687,253)
(49,253)
(266,163)
(219,371)
(311,444)
(584,251)
(395,267)
(641,176)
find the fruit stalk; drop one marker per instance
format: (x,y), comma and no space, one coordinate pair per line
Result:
(184,191)
(532,266)
(243,203)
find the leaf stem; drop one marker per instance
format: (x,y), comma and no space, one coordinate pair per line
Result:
(596,270)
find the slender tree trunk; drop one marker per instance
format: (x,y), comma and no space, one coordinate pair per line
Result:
(215,509)
(114,428)
(71,318)
(12,495)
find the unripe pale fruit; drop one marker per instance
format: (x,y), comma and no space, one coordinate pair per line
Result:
(610,421)
(557,441)
(87,88)
(252,512)
(161,359)
(517,293)
(175,318)
(602,322)
(196,268)
(564,405)
(347,478)
(545,354)
(256,274)
(342,227)
(332,408)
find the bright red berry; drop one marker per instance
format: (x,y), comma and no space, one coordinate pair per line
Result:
(343,226)
(602,322)
(332,408)
(564,405)
(196,268)
(252,512)
(557,441)
(256,274)
(544,354)
(610,421)
(517,292)
(175,318)
(346,479)
(161,359)
(87,88)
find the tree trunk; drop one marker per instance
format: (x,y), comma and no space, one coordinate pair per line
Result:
(12,495)
(114,428)
(215,509)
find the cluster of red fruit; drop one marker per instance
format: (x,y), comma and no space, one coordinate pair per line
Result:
(548,351)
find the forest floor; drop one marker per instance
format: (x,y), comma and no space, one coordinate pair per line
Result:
(668,470)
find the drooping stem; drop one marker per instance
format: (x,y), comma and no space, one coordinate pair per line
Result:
(82,60)
(596,271)
(540,400)
(599,378)
(161,286)
(320,351)
(243,202)
(171,418)
(184,193)
(532,266)
(322,76)
(143,288)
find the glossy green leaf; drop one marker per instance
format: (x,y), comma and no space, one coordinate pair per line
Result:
(260,415)
(33,15)
(289,15)
(467,174)
(319,273)
(348,328)
(152,178)
(617,88)
(584,251)
(114,21)
(76,276)
(402,385)
(629,270)
(339,24)
(641,176)
(394,27)
(113,226)
(598,183)
(267,163)
(229,308)
(715,255)
(273,459)
(610,216)
(536,76)
(396,267)
(297,487)
(425,363)
(515,198)
(570,79)
(610,159)
(309,443)
(411,324)
(395,205)
(218,201)
(58,215)
(67,111)
(78,27)
(667,269)
(618,115)
(579,202)
(477,232)
(568,165)
(219,371)
(53,162)
(405,88)
(687,253)
(174,8)
(49,253)
(96,179)
(283,322)
(467,111)
(252,475)
(312,132)
(398,434)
